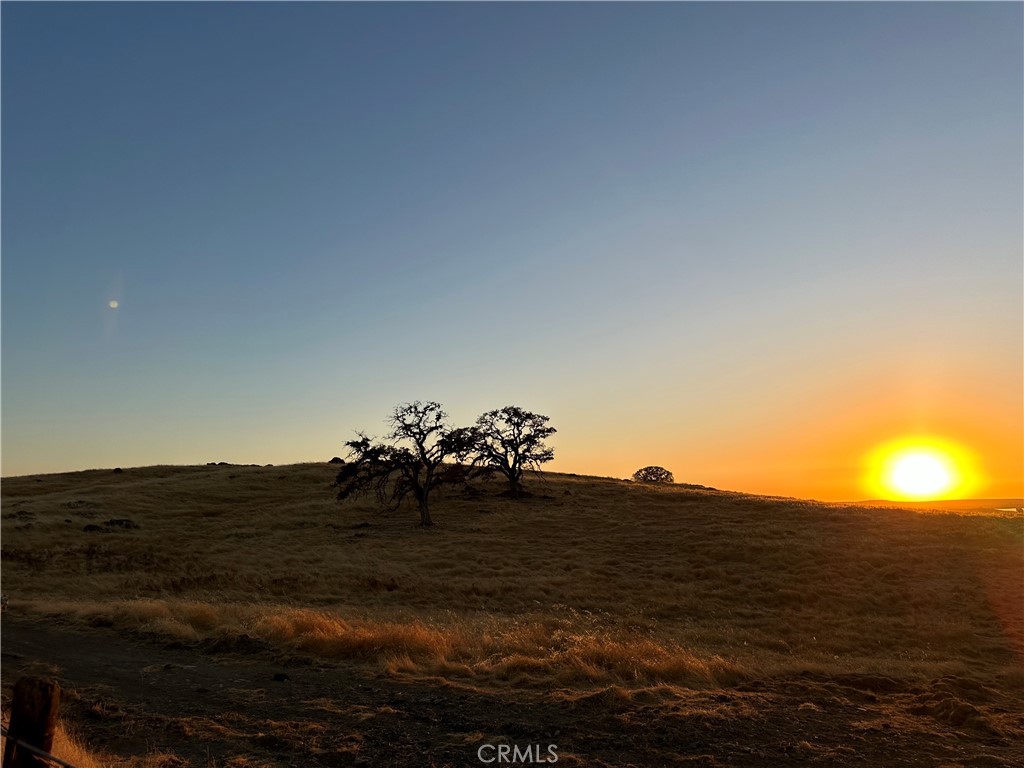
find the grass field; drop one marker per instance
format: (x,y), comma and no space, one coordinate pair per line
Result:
(587,583)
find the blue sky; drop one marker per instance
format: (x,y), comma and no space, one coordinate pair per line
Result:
(680,230)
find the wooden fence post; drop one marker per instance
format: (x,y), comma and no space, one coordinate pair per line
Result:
(33,720)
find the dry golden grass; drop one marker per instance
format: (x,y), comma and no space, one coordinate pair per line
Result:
(590,580)
(67,748)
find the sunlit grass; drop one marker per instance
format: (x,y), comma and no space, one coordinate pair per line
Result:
(569,649)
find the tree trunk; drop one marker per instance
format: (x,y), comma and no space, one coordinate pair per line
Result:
(425,521)
(514,488)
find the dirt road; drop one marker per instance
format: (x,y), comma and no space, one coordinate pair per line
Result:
(242,704)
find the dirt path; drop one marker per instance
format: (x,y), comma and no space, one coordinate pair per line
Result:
(210,705)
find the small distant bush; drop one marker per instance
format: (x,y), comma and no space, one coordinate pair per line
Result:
(653,475)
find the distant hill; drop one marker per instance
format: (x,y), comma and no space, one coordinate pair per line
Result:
(960,506)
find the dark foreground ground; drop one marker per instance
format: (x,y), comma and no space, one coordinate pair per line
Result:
(211,706)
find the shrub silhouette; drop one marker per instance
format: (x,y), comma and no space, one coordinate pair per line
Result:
(653,475)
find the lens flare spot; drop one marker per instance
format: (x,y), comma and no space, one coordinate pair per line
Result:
(114,304)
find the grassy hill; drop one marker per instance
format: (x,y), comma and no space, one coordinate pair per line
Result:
(588,581)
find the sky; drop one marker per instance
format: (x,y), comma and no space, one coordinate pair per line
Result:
(746,242)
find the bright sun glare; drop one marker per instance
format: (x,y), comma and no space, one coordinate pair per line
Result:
(920,473)
(920,469)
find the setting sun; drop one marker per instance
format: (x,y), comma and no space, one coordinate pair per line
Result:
(921,473)
(921,469)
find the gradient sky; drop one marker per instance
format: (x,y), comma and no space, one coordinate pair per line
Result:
(746,242)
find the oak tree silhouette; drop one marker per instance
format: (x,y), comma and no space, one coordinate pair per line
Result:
(509,441)
(653,475)
(410,460)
